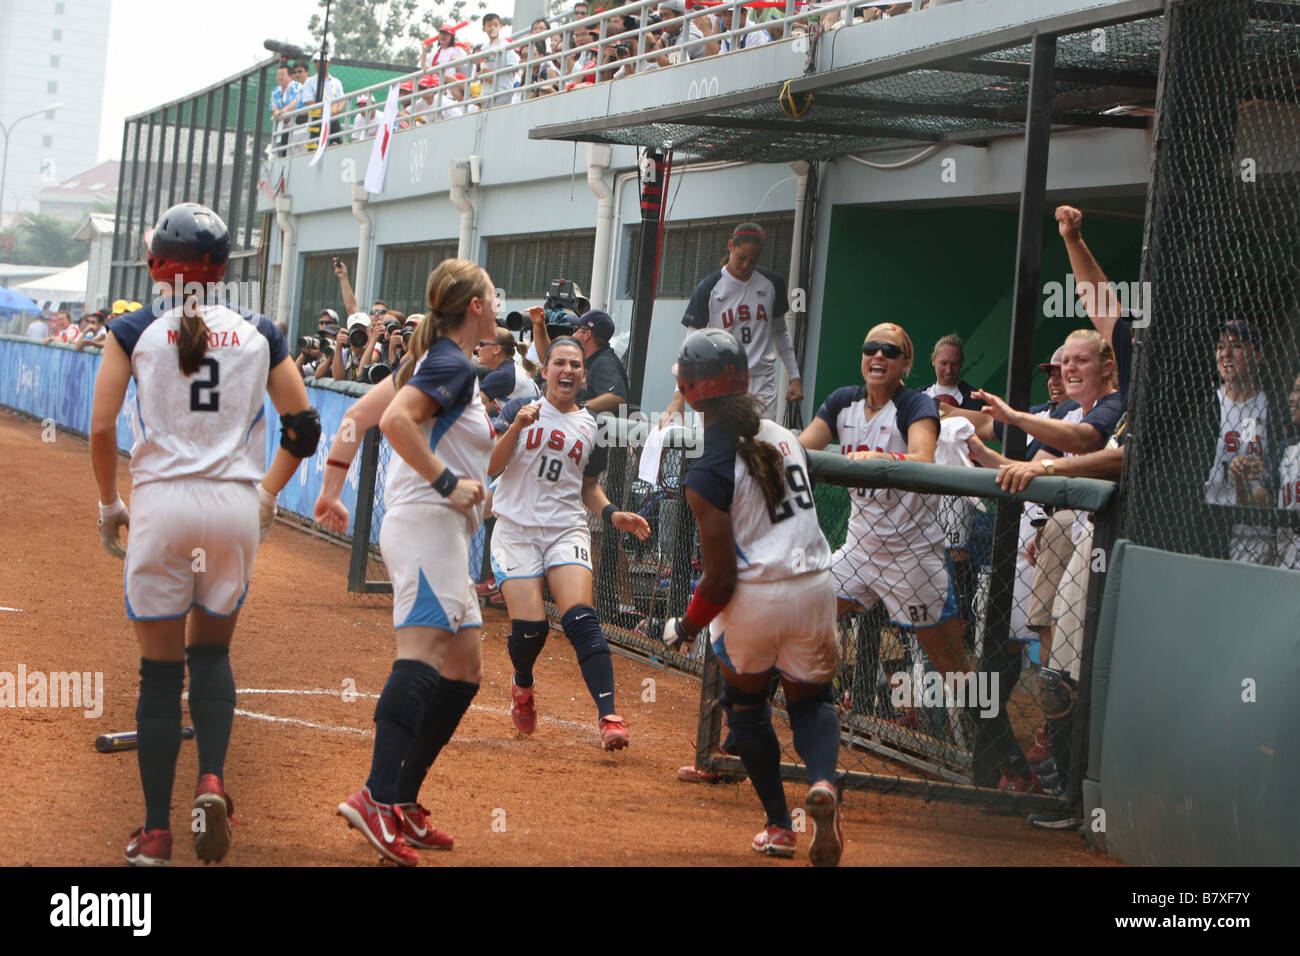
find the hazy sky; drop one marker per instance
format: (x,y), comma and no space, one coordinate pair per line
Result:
(160,50)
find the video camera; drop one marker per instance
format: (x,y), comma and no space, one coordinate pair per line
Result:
(287,51)
(563,304)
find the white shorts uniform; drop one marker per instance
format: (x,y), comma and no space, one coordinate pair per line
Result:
(425,547)
(191,543)
(913,584)
(1069,611)
(519,552)
(787,624)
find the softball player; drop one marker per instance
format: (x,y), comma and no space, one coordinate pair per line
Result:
(894,551)
(202,503)
(549,459)
(1237,475)
(750,303)
(435,420)
(1288,493)
(766,593)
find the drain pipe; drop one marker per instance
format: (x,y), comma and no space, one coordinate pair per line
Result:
(460,183)
(288,255)
(361,281)
(795,277)
(599,157)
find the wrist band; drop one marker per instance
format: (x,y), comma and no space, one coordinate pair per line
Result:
(445,483)
(265,496)
(701,611)
(607,513)
(345,465)
(898,456)
(116,508)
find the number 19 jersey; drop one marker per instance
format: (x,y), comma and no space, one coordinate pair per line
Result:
(209,424)
(541,486)
(769,546)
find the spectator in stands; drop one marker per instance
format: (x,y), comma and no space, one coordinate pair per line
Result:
(678,43)
(424,108)
(539,68)
(38,329)
(285,98)
(444,49)
(947,359)
(350,360)
(379,307)
(453,97)
(405,100)
(365,122)
(62,329)
(501,85)
(754,36)
(314,360)
(95,332)
(335,90)
(506,378)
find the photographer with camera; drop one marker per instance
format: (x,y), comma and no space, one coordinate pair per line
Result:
(315,353)
(675,43)
(506,378)
(354,348)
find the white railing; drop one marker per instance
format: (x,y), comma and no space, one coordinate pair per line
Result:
(552,61)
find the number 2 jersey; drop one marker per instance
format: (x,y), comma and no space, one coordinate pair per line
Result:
(541,486)
(210,424)
(901,520)
(769,546)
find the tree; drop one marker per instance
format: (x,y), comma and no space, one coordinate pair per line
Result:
(43,240)
(386,31)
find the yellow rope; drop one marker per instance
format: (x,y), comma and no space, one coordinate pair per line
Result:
(788,107)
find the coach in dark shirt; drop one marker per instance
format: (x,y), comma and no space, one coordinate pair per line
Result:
(606,385)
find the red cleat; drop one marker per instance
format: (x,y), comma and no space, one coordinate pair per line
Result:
(523,708)
(828,836)
(378,824)
(150,848)
(613,732)
(1042,748)
(417,831)
(775,841)
(216,808)
(1030,784)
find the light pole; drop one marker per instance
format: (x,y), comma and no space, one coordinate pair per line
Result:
(4,167)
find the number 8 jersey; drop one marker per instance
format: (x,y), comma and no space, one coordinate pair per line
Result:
(209,424)
(769,547)
(541,486)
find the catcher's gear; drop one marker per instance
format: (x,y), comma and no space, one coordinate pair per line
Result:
(306,428)
(266,513)
(711,364)
(112,518)
(189,241)
(675,636)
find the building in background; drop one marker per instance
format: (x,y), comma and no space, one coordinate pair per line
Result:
(50,51)
(98,228)
(76,198)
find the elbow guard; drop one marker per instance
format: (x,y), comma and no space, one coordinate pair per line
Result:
(306,428)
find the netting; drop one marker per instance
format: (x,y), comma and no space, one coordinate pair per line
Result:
(1215,467)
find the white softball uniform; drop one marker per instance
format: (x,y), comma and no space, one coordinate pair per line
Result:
(199,449)
(894,548)
(425,538)
(754,312)
(1288,499)
(1243,428)
(782,614)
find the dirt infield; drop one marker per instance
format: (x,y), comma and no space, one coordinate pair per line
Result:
(299,748)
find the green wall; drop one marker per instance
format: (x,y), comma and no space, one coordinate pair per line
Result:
(935,271)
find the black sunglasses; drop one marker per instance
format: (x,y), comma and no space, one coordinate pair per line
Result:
(888,349)
(486,342)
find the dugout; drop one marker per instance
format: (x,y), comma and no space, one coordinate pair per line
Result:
(1216,84)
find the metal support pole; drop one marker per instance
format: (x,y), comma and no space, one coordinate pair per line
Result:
(365,511)
(653,169)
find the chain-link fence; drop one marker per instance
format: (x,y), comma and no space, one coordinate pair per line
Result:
(1213,466)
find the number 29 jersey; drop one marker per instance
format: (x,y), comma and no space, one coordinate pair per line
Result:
(541,486)
(210,424)
(769,546)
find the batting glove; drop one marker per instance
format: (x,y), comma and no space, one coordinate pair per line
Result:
(675,635)
(112,518)
(266,515)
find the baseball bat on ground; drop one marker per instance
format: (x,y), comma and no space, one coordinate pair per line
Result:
(113,743)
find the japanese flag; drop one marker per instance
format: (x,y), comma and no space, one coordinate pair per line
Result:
(377,168)
(325,116)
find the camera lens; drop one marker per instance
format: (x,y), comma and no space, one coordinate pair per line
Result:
(392,326)
(357,336)
(377,373)
(406,336)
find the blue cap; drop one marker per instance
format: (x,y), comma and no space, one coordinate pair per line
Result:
(601,325)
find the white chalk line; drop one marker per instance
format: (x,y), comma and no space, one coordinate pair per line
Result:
(16,610)
(335,728)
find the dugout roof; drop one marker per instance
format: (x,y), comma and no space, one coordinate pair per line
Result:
(969,91)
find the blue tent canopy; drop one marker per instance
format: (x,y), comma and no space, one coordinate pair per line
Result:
(13,302)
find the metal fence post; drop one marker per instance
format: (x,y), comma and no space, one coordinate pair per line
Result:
(365,510)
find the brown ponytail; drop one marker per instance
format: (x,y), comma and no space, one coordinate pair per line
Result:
(740,415)
(452,286)
(192,342)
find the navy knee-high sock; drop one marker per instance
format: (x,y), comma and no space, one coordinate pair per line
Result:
(816,730)
(212,704)
(398,714)
(158,736)
(754,741)
(525,643)
(583,630)
(441,718)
